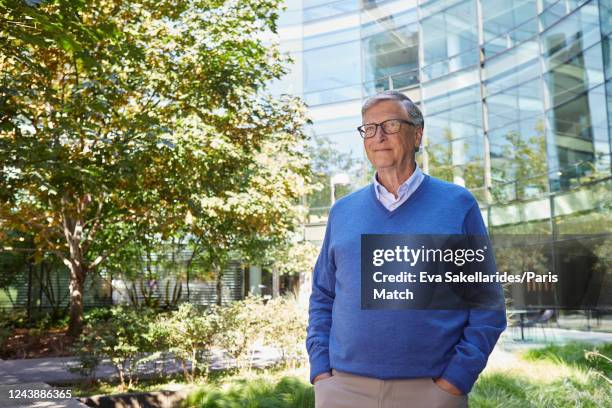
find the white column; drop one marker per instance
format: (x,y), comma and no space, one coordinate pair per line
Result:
(254,279)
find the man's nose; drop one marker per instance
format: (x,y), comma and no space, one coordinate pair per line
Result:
(379,131)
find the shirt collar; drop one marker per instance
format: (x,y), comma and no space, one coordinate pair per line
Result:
(379,187)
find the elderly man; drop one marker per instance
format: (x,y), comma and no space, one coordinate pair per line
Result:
(393,358)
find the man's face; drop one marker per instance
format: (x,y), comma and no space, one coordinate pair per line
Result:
(391,150)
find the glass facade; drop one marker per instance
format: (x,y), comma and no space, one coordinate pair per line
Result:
(516,95)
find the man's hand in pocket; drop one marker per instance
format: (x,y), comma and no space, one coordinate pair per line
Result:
(320,377)
(446,386)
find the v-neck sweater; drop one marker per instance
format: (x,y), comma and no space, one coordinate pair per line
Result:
(395,344)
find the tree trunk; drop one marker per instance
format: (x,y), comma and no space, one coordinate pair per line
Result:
(194,364)
(77,280)
(219,288)
(29,291)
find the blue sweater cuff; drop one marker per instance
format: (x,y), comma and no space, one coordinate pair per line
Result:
(460,377)
(319,364)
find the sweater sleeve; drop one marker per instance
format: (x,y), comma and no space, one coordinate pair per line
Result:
(481,331)
(320,309)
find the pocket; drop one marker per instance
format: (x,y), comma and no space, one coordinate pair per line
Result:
(443,391)
(324,394)
(326,379)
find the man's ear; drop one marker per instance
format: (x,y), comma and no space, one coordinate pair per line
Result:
(418,137)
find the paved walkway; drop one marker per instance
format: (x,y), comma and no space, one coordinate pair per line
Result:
(56,370)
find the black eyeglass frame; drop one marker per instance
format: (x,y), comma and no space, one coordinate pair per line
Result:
(361,130)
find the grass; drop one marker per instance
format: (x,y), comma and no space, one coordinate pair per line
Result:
(288,392)
(552,376)
(518,391)
(574,354)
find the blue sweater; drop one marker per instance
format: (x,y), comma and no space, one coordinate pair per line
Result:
(392,344)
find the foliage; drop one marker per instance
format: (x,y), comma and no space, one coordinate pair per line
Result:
(13,318)
(189,333)
(442,159)
(124,121)
(326,161)
(8,322)
(120,334)
(171,299)
(525,171)
(292,258)
(144,291)
(241,326)
(300,257)
(280,322)
(14,262)
(285,328)
(552,376)
(129,336)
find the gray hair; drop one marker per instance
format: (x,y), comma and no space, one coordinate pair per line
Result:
(413,111)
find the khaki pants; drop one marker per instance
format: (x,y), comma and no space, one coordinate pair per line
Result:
(344,390)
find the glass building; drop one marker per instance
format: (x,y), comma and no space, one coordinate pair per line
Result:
(516,96)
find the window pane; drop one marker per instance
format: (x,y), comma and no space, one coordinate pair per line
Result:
(332,67)
(392,52)
(578,146)
(450,35)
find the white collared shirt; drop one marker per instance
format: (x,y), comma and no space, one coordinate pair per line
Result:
(404,191)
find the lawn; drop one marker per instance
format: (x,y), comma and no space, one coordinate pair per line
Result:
(553,376)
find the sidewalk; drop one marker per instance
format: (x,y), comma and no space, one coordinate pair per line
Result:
(55,370)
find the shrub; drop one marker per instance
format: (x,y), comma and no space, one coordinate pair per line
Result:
(242,324)
(285,328)
(280,323)
(120,334)
(189,333)
(5,333)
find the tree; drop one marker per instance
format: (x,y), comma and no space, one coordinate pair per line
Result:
(120,119)
(327,161)
(523,166)
(264,213)
(290,258)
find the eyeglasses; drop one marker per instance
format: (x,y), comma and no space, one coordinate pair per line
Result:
(389,126)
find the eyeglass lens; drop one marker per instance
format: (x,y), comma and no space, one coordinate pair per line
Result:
(390,126)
